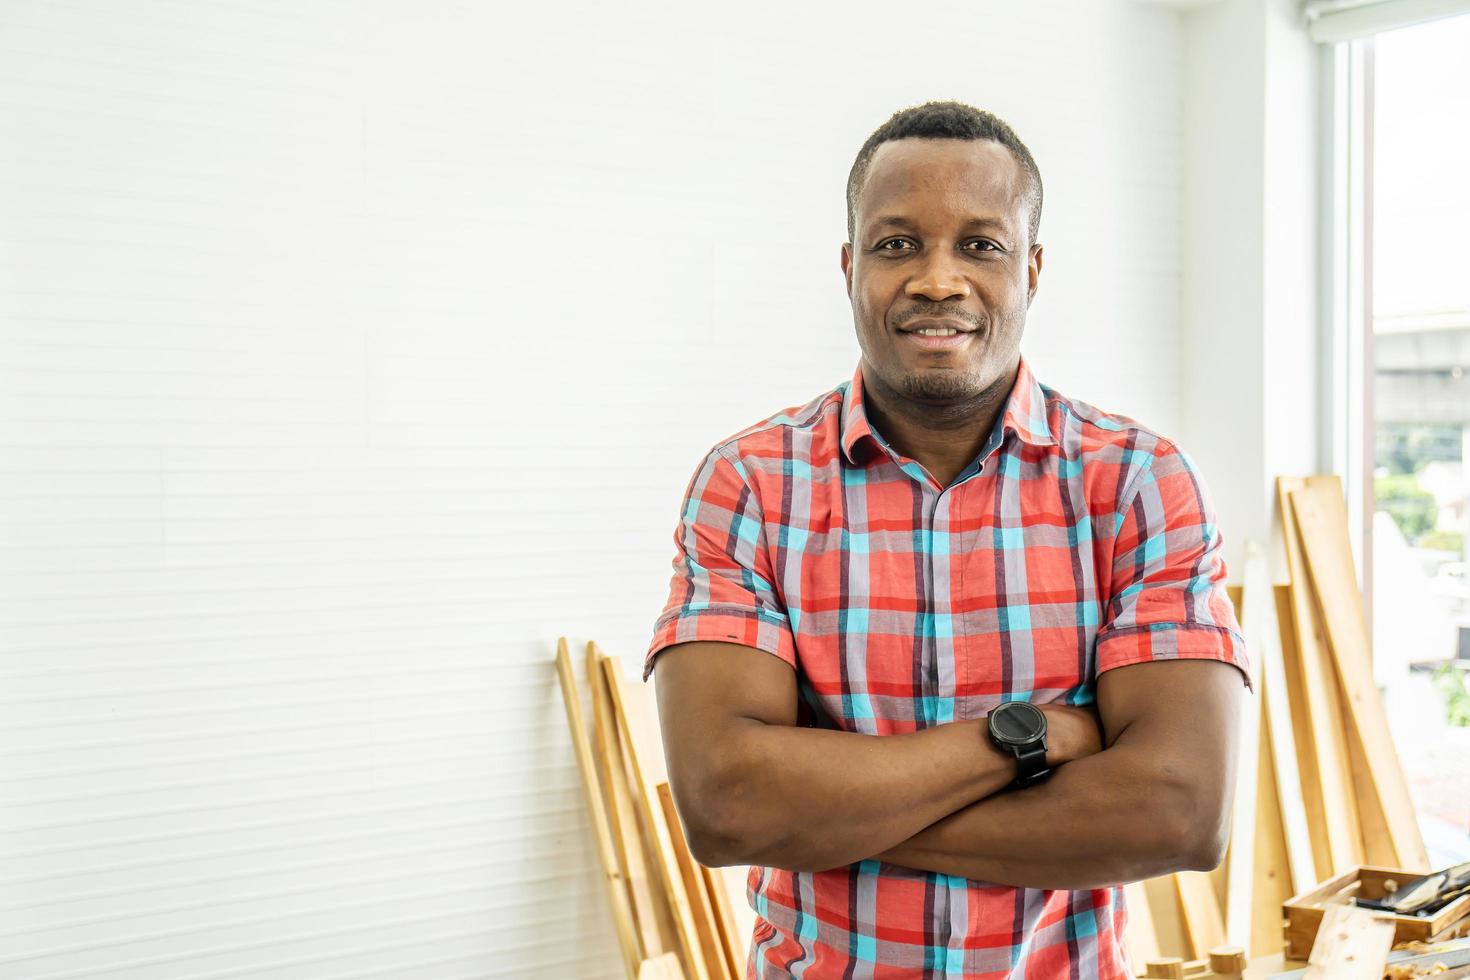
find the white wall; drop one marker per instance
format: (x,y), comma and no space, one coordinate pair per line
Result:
(350,354)
(1250,318)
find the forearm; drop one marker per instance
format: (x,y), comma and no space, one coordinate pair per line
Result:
(1113,817)
(810,799)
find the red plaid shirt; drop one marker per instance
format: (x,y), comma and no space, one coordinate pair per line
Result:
(1075,542)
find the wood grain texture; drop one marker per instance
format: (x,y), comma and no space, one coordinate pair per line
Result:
(696,886)
(1256,602)
(1200,908)
(1139,935)
(651,917)
(1327,787)
(636,736)
(1276,694)
(1352,944)
(730,941)
(1392,828)
(1271,881)
(622,911)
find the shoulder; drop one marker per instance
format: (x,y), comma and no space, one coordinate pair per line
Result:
(808,433)
(1129,450)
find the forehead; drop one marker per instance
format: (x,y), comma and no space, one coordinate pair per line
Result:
(936,180)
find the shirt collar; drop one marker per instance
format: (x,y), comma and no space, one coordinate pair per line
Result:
(1025,411)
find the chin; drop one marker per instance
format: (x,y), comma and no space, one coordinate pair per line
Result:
(940,386)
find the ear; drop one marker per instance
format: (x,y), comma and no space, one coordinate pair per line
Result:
(1033,273)
(847,266)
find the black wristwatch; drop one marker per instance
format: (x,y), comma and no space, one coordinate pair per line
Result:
(1019,727)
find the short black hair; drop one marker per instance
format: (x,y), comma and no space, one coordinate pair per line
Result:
(945,120)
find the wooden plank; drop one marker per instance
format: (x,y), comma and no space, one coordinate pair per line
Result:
(1322,519)
(1281,650)
(611,875)
(697,888)
(635,735)
(1203,924)
(1257,600)
(1352,944)
(1271,882)
(1140,937)
(737,886)
(1332,808)
(1168,917)
(662,967)
(652,918)
(1378,847)
(731,944)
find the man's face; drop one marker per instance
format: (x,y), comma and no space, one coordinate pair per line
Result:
(941,240)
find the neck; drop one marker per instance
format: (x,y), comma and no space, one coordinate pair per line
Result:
(943,438)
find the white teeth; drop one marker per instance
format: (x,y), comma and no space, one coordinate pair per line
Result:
(938,331)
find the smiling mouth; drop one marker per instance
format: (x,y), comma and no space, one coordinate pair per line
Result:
(936,326)
(943,341)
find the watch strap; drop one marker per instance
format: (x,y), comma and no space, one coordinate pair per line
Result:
(1031,767)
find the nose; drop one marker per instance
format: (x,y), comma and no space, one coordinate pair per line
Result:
(938,278)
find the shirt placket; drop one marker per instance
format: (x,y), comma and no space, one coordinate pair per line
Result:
(942,667)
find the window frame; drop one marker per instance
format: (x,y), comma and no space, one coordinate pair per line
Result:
(1347,436)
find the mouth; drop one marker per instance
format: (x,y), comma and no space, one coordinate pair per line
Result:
(932,334)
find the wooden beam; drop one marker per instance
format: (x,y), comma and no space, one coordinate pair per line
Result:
(730,940)
(1322,518)
(633,733)
(697,887)
(1271,882)
(651,915)
(1327,793)
(662,967)
(1276,692)
(1257,600)
(1139,933)
(1351,944)
(1201,910)
(611,875)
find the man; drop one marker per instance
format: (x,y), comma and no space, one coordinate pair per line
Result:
(927,548)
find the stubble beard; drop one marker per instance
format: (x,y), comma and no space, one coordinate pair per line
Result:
(940,386)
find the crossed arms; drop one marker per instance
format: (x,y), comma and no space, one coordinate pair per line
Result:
(1141,789)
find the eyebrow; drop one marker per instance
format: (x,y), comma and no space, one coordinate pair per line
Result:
(899,221)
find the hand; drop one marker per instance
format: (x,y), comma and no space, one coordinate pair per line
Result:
(1072,732)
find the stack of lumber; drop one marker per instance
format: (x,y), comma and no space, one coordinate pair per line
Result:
(1320,788)
(675,918)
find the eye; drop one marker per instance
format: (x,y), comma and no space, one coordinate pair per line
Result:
(883,245)
(985,241)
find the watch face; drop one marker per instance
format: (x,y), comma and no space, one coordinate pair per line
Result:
(1017,722)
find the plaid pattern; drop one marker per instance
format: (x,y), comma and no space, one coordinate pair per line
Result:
(1077,541)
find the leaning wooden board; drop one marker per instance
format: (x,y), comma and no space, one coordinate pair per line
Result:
(1378,842)
(1276,694)
(1257,601)
(1322,756)
(651,914)
(633,734)
(1322,519)
(611,873)
(697,888)
(724,913)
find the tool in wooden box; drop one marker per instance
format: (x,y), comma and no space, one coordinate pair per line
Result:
(1422,896)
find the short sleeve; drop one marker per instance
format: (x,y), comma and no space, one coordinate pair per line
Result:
(1168,598)
(722,583)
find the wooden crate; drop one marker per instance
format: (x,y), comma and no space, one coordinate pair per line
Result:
(1304,912)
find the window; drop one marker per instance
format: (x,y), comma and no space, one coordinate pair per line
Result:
(1400,372)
